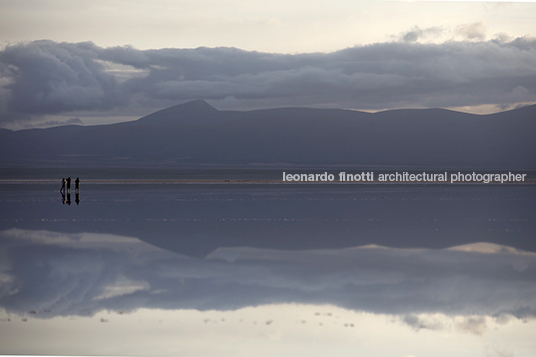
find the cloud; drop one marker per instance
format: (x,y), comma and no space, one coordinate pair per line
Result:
(81,274)
(417,33)
(474,31)
(50,123)
(45,77)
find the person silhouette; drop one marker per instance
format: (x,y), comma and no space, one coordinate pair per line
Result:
(77,185)
(68,185)
(62,189)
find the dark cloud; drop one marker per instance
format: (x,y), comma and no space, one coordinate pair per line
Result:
(75,274)
(46,77)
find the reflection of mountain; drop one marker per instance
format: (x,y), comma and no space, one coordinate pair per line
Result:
(79,274)
(194,220)
(195,133)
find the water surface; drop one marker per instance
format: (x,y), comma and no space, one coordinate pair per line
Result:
(138,268)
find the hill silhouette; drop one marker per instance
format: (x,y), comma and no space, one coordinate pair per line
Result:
(197,133)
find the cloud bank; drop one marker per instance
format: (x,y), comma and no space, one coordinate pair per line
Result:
(56,274)
(45,77)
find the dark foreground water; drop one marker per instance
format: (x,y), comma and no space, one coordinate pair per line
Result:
(267,269)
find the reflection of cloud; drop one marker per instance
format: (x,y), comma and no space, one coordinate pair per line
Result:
(428,322)
(473,324)
(122,286)
(85,273)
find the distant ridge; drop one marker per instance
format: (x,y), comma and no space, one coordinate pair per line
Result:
(195,133)
(233,254)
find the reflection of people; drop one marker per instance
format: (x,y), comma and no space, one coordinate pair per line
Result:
(66,183)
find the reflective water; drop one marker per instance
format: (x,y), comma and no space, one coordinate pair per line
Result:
(232,270)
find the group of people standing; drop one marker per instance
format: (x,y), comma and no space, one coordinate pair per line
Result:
(66,186)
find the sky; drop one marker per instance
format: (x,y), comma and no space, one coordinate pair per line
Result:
(75,62)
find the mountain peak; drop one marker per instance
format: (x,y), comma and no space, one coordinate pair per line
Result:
(193,112)
(198,105)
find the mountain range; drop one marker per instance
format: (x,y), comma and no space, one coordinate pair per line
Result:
(196,133)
